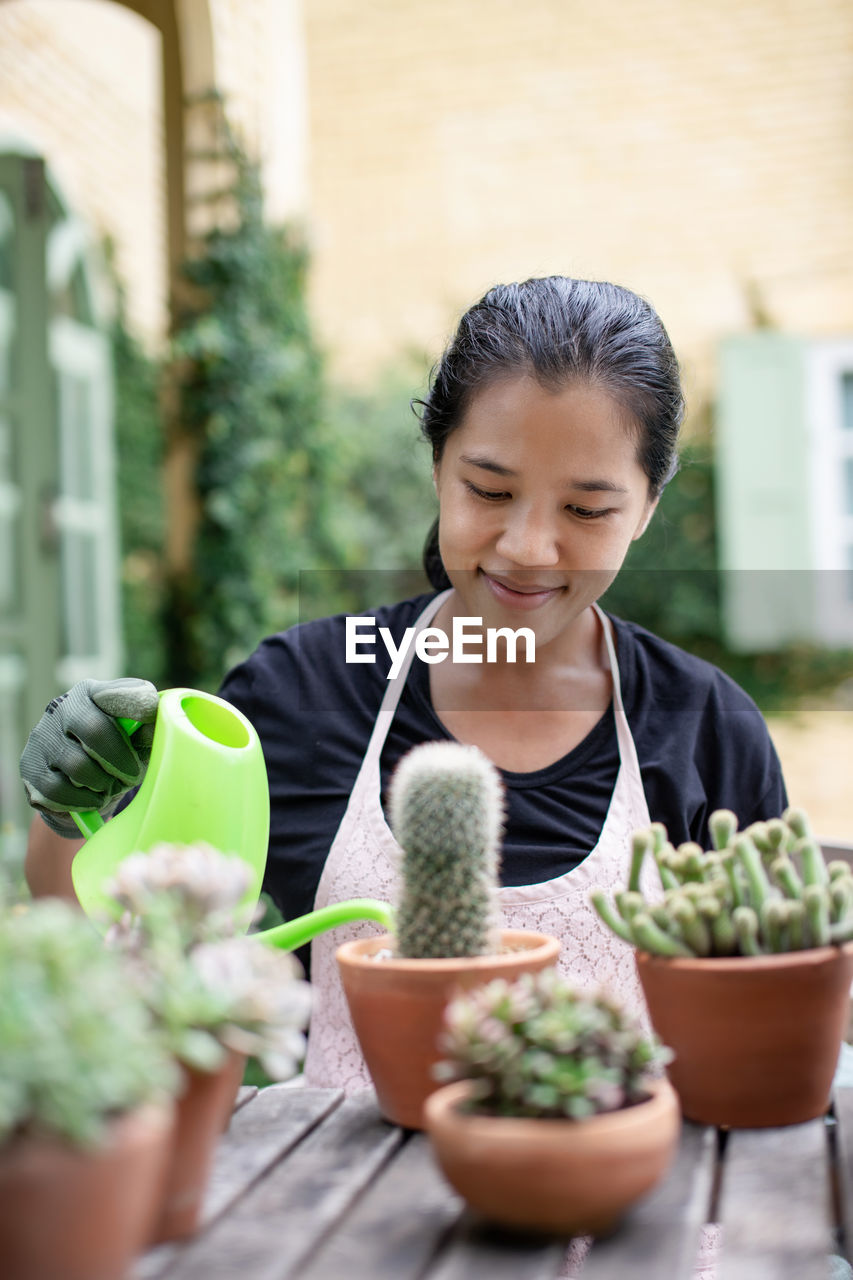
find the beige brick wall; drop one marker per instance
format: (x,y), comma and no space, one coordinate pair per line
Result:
(680,147)
(80,82)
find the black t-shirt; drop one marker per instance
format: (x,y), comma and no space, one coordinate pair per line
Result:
(701,742)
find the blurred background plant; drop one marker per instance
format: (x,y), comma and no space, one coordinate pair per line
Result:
(77,1045)
(209,986)
(292,474)
(671,583)
(315,497)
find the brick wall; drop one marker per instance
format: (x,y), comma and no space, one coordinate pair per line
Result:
(80,82)
(680,147)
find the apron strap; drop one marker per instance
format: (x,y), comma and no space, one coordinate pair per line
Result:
(391,697)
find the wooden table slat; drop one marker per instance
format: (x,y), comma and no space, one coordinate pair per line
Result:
(397,1226)
(660,1235)
(309,1185)
(262,1130)
(843,1108)
(245,1094)
(282,1219)
(775,1204)
(476,1248)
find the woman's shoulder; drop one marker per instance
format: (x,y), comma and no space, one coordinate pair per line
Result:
(702,741)
(658,669)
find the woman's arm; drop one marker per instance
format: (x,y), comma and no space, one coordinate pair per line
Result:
(48,862)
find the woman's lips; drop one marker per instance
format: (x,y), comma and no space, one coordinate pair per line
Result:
(524,596)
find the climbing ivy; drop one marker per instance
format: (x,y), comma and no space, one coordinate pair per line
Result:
(249,389)
(139,447)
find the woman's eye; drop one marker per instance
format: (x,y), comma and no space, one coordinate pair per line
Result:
(487,494)
(589,513)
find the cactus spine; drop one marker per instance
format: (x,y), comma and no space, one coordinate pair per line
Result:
(761,891)
(446,812)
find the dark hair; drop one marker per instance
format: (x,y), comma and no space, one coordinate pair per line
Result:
(560,330)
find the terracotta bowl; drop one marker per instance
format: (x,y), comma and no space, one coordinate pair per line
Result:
(570,1177)
(397,1008)
(756,1038)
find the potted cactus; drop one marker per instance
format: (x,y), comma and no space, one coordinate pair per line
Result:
(217,995)
(556,1120)
(446,812)
(746,963)
(86,1110)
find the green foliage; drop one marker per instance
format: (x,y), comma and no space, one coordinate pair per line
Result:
(77,1047)
(446,806)
(384,499)
(249,381)
(139,442)
(669,582)
(381,499)
(536,1047)
(758,892)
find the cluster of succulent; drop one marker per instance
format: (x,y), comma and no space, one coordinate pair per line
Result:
(209,987)
(207,888)
(537,1047)
(446,812)
(77,1045)
(764,890)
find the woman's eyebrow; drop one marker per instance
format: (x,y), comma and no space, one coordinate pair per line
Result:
(596,486)
(485,464)
(585,486)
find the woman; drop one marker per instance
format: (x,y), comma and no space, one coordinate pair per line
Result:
(553,418)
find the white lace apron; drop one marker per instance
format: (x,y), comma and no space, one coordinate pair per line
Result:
(364,861)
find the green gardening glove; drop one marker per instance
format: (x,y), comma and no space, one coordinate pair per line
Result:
(79,758)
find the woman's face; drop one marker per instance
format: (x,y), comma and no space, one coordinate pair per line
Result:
(540,496)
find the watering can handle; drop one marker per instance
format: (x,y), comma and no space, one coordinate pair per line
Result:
(89,820)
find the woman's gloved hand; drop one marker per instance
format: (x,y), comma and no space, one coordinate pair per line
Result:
(78,756)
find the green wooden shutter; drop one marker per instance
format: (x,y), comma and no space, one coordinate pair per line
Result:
(59,615)
(763,480)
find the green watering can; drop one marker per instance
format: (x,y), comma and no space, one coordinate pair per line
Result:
(206,781)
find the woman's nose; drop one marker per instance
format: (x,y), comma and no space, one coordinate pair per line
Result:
(529,539)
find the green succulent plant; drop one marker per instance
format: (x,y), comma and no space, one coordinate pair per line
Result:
(77,1044)
(537,1047)
(764,890)
(446,812)
(209,988)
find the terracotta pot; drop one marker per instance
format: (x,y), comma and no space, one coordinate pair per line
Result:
(82,1215)
(397,1008)
(203,1111)
(756,1038)
(571,1177)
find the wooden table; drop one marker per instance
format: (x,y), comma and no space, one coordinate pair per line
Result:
(313,1185)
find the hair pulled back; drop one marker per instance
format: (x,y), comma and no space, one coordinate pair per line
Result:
(559,330)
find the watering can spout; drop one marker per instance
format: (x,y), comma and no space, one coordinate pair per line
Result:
(206,781)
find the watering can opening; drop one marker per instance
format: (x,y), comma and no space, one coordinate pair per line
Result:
(215,720)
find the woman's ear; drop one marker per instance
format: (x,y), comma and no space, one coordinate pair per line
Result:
(435,477)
